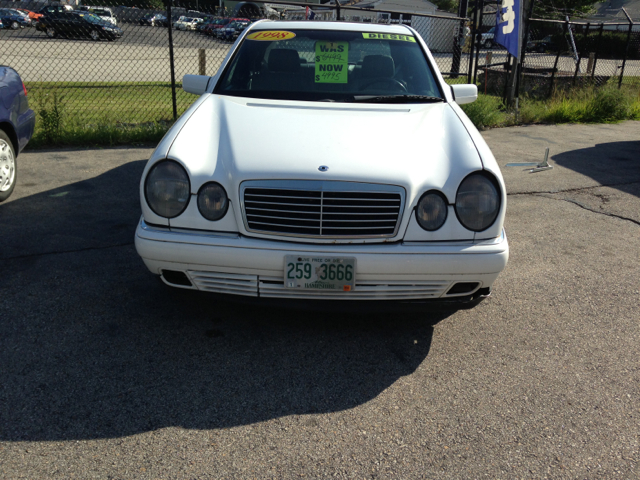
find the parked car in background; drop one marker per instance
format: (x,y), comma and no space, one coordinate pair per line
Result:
(219,32)
(187,23)
(363,180)
(541,46)
(487,38)
(233,30)
(13,20)
(78,24)
(24,15)
(153,19)
(104,13)
(218,24)
(32,15)
(207,21)
(55,9)
(17,122)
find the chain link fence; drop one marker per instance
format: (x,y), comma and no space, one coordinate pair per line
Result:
(110,66)
(560,56)
(107,65)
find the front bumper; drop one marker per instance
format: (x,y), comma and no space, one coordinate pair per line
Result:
(238,265)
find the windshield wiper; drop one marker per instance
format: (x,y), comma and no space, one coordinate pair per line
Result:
(401,98)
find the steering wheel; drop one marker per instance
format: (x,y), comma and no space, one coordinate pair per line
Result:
(387,81)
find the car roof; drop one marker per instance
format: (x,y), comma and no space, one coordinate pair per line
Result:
(341,26)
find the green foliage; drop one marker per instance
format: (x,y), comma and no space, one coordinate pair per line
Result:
(50,107)
(558,9)
(447,5)
(485,112)
(606,104)
(611,45)
(125,113)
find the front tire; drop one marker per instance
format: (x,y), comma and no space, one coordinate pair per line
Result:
(488,44)
(95,36)
(15,25)
(8,166)
(51,33)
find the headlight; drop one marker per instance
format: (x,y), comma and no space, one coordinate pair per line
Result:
(478,201)
(212,201)
(431,212)
(167,189)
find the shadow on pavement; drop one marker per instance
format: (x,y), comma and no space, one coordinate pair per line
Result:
(94,213)
(94,346)
(616,164)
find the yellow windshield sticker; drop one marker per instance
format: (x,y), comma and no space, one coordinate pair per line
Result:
(389,36)
(332,62)
(271,35)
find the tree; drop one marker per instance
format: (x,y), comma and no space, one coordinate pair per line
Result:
(559,9)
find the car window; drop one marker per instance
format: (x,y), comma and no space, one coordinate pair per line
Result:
(326,65)
(92,18)
(102,13)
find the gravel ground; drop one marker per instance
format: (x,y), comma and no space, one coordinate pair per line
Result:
(106,373)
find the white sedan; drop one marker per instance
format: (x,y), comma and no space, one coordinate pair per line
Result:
(326,161)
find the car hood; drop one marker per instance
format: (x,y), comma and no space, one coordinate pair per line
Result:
(417,147)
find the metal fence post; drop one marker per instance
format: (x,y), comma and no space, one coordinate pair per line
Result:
(479,19)
(171,62)
(584,43)
(626,50)
(202,61)
(598,46)
(565,27)
(507,68)
(519,73)
(474,35)
(457,48)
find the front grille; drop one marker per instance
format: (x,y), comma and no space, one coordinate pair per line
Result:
(324,209)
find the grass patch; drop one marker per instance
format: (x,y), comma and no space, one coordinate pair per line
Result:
(103,113)
(606,104)
(125,113)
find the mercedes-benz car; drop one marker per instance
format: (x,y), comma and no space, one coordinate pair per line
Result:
(325,161)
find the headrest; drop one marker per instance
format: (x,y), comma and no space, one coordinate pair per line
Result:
(284,60)
(377,66)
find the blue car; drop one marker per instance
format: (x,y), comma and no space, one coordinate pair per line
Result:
(13,20)
(17,122)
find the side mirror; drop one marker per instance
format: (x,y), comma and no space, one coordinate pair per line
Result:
(464,93)
(195,83)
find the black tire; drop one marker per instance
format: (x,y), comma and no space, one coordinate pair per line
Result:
(8,166)
(488,44)
(95,36)
(51,32)
(15,25)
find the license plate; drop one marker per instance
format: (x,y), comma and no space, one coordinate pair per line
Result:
(320,273)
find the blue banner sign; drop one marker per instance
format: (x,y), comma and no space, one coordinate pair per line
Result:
(507,31)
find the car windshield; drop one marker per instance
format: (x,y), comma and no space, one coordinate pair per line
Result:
(325,65)
(91,18)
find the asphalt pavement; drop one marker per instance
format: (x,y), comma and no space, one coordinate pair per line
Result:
(107,373)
